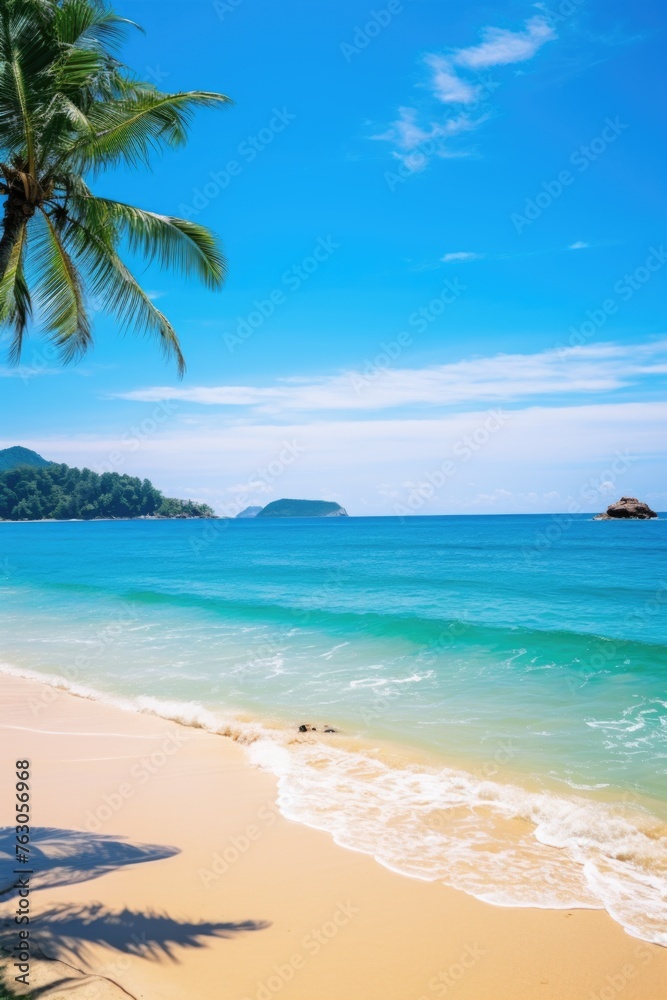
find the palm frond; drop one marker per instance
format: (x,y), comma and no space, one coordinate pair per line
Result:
(78,68)
(61,299)
(119,292)
(25,117)
(15,302)
(26,55)
(78,22)
(175,243)
(129,131)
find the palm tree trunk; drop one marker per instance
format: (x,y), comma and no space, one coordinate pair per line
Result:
(14,221)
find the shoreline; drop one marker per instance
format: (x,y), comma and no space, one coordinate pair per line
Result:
(246,725)
(165,900)
(582,515)
(542,831)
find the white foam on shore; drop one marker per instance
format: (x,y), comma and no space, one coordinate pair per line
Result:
(498,842)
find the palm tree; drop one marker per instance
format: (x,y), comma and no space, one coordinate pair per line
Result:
(69,109)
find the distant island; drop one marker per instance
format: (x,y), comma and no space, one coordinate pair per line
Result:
(249,512)
(627,508)
(296,508)
(33,489)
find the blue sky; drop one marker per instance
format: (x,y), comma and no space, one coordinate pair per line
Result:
(444,224)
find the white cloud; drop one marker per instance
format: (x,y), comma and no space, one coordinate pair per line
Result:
(405,131)
(597,368)
(501,47)
(447,85)
(416,143)
(579,245)
(28,372)
(607,487)
(462,255)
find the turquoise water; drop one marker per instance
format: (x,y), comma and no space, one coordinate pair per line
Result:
(520,660)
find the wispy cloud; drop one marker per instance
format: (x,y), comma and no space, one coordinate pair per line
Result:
(572,371)
(461,255)
(28,372)
(416,136)
(579,245)
(500,47)
(447,86)
(416,142)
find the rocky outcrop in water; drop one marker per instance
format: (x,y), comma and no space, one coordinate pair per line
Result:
(627,508)
(306,727)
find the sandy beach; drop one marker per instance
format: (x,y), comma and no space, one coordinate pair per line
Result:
(163,869)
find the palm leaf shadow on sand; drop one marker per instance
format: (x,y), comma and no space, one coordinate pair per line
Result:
(64,932)
(63,857)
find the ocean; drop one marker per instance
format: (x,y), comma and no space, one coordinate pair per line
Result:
(498,683)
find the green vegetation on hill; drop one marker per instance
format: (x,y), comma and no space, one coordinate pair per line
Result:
(303,508)
(57,491)
(11,458)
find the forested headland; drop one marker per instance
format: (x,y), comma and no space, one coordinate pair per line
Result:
(60,492)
